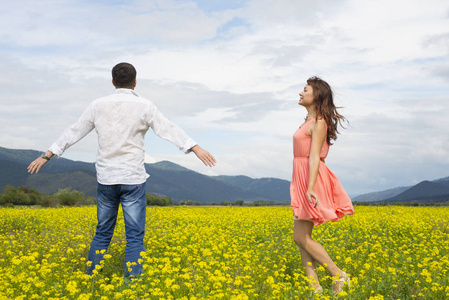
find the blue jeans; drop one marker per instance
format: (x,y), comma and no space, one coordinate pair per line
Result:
(133,200)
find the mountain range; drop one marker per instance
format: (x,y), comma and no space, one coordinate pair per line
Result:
(179,183)
(425,191)
(166,179)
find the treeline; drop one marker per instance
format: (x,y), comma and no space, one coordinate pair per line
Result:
(411,203)
(67,197)
(27,196)
(255,203)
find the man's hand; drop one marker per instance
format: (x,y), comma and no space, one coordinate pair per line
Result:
(204,156)
(37,164)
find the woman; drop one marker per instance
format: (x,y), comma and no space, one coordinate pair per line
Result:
(316,194)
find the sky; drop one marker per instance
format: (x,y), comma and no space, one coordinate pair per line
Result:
(229,73)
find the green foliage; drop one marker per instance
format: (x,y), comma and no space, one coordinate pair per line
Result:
(27,196)
(19,196)
(238,203)
(405,203)
(69,197)
(190,202)
(186,202)
(264,203)
(158,201)
(48,201)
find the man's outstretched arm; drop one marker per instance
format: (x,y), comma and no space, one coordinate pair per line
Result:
(37,164)
(70,136)
(204,156)
(167,130)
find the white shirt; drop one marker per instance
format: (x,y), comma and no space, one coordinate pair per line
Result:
(121,121)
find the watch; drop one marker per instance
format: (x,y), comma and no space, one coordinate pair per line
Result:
(44,156)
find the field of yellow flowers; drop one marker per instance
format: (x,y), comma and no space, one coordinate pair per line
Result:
(225,253)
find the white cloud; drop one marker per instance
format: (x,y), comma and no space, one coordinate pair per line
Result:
(230,76)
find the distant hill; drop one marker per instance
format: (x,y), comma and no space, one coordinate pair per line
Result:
(425,191)
(271,188)
(179,183)
(381,195)
(444,180)
(422,189)
(166,179)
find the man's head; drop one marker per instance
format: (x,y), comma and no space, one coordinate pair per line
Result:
(124,76)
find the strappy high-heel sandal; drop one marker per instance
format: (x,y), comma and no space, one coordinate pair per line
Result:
(343,280)
(318,291)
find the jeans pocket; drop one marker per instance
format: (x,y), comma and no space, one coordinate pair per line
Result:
(102,187)
(133,192)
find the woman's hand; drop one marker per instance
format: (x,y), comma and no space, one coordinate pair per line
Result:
(312,195)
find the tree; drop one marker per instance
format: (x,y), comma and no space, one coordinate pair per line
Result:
(11,195)
(264,203)
(238,203)
(167,201)
(48,200)
(68,197)
(158,201)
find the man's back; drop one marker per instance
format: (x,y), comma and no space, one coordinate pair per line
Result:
(121,121)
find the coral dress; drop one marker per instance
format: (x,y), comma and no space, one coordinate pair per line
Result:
(334,202)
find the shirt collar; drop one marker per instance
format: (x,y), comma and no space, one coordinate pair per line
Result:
(126,91)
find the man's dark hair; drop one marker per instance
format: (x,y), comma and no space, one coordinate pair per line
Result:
(124,75)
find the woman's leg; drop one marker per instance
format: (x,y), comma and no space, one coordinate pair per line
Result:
(303,238)
(310,268)
(308,262)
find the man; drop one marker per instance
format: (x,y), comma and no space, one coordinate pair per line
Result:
(121,121)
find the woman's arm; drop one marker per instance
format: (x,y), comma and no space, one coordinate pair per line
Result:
(318,136)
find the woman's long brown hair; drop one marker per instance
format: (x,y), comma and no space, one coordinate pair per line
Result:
(325,108)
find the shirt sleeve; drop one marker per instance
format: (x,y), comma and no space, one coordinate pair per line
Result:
(167,130)
(74,133)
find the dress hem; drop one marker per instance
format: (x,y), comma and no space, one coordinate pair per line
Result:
(340,213)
